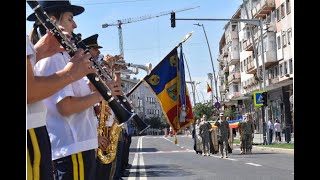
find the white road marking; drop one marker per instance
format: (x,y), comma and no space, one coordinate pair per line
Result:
(140,163)
(231,159)
(253,164)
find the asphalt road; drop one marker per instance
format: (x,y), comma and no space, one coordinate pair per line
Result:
(157,157)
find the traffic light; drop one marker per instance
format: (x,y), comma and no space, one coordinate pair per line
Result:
(173,19)
(265,98)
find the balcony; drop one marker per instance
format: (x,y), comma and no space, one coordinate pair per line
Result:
(223,88)
(263,8)
(233,95)
(234,77)
(250,68)
(234,35)
(247,45)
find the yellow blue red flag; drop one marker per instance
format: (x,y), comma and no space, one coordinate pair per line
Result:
(165,82)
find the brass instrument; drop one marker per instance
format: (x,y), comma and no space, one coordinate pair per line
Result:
(112,133)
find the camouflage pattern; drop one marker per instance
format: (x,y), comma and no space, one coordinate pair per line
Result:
(246,130)
(223,134)
(240,128)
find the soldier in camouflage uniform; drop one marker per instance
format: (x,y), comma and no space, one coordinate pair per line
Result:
(205,128)
(250,125)
(240,128)
(248,130)
(223,134)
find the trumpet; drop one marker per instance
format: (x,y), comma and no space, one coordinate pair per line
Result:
(147,68)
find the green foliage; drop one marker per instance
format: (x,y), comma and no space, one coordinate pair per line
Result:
(157,122)
(201,109)
(230,112)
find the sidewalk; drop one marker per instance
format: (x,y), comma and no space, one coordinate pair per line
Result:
(258,139)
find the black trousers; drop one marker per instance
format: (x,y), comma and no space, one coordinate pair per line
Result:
(81,165)
(103,171)
(126,150)
(39,159)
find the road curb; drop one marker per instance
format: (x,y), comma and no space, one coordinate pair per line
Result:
(271,149)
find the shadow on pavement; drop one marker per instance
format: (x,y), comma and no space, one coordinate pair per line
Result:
(161,170)
(143,150)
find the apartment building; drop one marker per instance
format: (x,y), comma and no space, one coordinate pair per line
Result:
(276,55)
(144,103)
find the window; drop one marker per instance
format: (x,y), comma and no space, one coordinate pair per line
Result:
(290,66)
(271,73)
(240,46)
(285,68)
(278,14)
(276,71)
(282,10)
(284,40)
(288,6)
(264,43)
(289,35)
(280,70)
(248,34)
(268,19)
(234,27)
(279,42)
(241,67)
(235,88)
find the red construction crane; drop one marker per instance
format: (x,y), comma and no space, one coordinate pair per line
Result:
(119,23)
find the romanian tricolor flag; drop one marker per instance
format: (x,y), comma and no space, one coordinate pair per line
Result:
(208,88)
(166,82)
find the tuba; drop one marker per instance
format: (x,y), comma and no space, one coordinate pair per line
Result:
(112,133)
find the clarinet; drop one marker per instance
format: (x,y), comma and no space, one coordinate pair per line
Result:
(121,112)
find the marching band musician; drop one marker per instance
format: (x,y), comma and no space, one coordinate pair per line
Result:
(103,171)
(39,165)
(70,119)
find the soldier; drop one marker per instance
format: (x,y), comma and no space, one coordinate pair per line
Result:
(205,129)
(223,134)
(240,128)
(250,132)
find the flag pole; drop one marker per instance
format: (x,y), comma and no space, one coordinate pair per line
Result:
(141,80)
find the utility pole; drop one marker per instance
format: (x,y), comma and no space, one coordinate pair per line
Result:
(214,72)
(263,111)
(210,78)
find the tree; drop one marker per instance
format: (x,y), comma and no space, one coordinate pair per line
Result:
(201,109)
(230,112)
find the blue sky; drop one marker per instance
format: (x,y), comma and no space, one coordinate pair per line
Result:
(148,41)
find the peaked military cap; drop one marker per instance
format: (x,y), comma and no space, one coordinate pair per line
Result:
(61,6)
(91,41)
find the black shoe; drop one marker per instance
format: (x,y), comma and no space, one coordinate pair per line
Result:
(125,173)
(128,166)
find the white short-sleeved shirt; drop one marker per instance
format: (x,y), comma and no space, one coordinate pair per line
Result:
(74,133)
(36,112)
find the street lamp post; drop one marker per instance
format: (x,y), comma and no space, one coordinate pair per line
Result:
(214,73)
(210,78)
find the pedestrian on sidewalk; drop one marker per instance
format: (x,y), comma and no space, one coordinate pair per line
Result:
(277,129)
(270,130)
